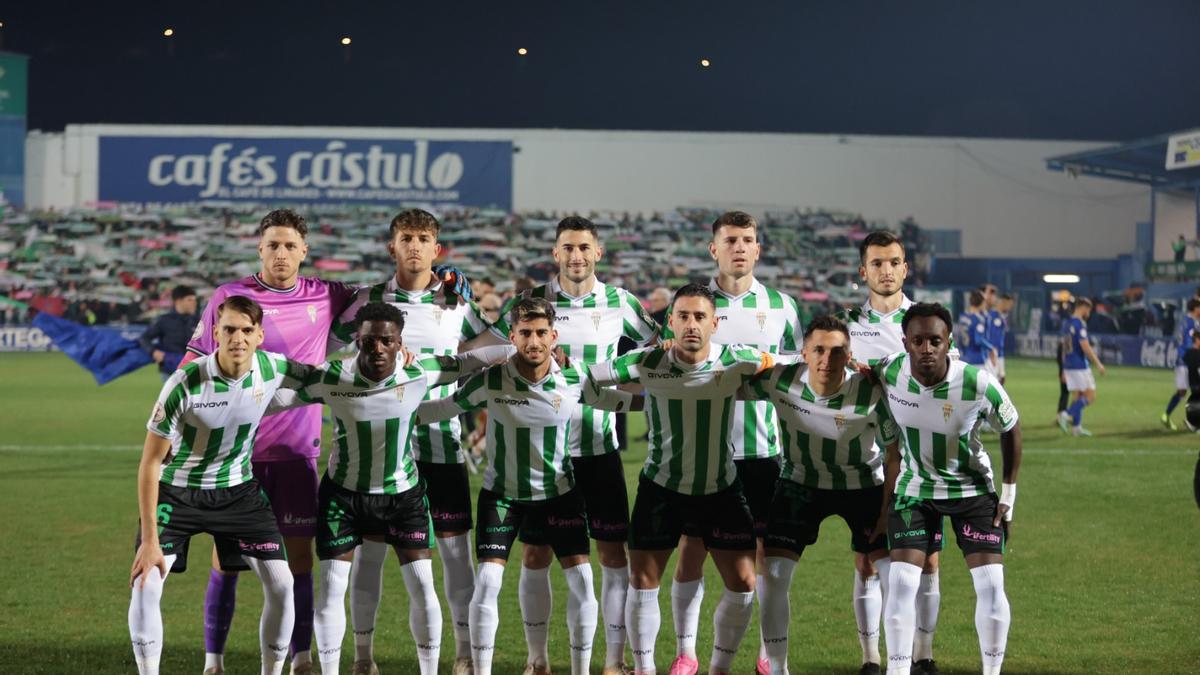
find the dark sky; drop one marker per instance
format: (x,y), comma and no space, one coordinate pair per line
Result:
(1073,69)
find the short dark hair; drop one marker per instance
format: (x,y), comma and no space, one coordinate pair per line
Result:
(378,311)
(576,224)
(976,298)
(926,309)
(877,238)
(529,309)
(180,292)
(414,219)
(1006,296)
(1192,304)
(827,322)
(283,218)
(1083,301)
(243,305)
(694,291)
(734,219)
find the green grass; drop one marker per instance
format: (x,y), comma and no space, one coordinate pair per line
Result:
(1102,569)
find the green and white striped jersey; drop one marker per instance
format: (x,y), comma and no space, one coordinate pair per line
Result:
(372,421)
(430,327)
(211,420)
(766,320)
(941,454)
(874,336)
(589,328)
(691,411)
(528,424)
(828,441)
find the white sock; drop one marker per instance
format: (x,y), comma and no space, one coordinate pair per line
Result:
(212,660)
(279,612)
(145,619)
(774,608)
(366,592)
(424,613)
(868,602)
(992,615)
(642,619)
(686,597)
(929,600)
(458,577)
(900,615)
(882,566)
(582,609)
(762,643)
(730,622)
(536,603)
(484,615)
(329,613)
(614,584)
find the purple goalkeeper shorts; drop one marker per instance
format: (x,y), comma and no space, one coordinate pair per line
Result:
(291,485)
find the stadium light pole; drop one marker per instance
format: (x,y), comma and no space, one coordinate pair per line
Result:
(346,49)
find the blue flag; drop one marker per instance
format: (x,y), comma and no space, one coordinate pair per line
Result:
(102,351)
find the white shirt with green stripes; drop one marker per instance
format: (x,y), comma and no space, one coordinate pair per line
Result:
(527,424)
(691,411)
(211,419)
(874,335)
(828,441)
(766,320)
(430,327)
(589,328)
(940,449)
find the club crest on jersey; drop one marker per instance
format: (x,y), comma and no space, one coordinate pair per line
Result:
(762,320)
(840,421)
(437,314)
(312,313)
(596,320)
(947,411)
(556,402)
(258,396)
(199,331)
(399,391)
(158,415)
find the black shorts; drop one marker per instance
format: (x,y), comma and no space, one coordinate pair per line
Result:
(917,524)
(600,480)
(559,522)
(401,519)
(797,512)
(239,519)
(722,519)
(758,477)
(449,493)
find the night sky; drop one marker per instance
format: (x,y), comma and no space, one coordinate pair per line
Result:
(1070,69)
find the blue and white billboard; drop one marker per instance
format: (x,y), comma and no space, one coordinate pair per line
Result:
(178,169)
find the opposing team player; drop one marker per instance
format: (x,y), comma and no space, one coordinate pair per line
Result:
(1191,321)
(689,476)
(942,470)
(1077,353)
(297,314)
(437,320)
(529,488)
(997,326)
(371,489)
(829,417)
(592,317)
(195,476)
(971,333)
(748,313)
(875,333)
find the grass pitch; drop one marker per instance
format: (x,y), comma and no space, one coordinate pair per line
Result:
(1101,573)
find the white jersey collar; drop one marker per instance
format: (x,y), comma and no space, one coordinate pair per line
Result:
(756,288)
(905,303)
(556,288)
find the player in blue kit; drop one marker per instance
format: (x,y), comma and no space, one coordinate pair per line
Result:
(1077,353)
(1190,322)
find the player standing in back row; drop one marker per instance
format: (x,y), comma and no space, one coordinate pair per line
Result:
(875,333)
(750,314)
(437,320)
(591,318)
(297,314)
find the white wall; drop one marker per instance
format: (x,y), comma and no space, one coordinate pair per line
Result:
(998,192)
(1175,214)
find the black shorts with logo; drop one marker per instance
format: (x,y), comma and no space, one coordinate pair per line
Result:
(347,516)
(758,477)
(449,493)
(600,480)
(797,512)
(239,519)
(559,522)
(917,524)
(722,519)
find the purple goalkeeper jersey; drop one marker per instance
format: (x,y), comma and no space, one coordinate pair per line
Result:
(296,324)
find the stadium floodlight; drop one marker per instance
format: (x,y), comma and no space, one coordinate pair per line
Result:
(166,33)
(704,63)
(1060,278)
(346,41)
(522,51)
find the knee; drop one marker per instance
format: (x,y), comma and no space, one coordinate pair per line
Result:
(864,566)
(537,557)
(487,583)
(149,585)
(931,565)
(612,554)
(691,559)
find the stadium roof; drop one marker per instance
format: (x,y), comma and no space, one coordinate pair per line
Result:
(1143,161)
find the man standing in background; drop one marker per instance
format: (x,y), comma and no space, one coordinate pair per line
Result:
(167,338)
